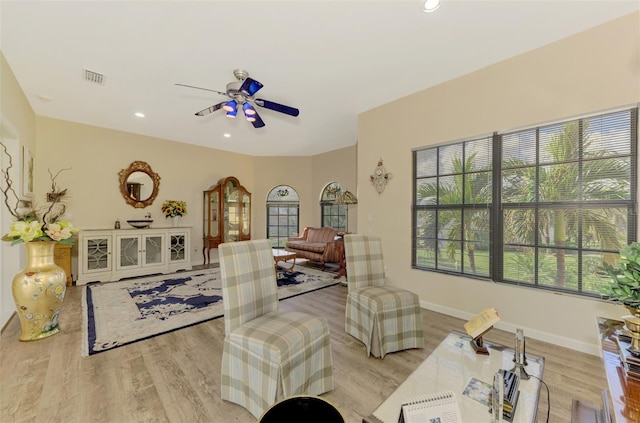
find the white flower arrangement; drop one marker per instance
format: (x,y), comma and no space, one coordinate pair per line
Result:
(32,225)
(40,230)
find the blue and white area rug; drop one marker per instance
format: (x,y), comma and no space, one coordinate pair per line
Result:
(119,313)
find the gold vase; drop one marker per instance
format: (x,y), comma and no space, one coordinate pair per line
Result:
(633,310)
(38,291)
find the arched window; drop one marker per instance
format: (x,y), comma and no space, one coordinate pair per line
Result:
(333,215)
(283,220)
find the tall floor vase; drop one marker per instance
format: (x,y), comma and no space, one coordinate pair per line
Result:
(38,291)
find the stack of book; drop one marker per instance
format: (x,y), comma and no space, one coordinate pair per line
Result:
(630,361)
(511,394)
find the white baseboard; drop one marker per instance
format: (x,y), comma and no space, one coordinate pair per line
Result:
(529,332)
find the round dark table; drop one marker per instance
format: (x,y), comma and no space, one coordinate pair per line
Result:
(302,409)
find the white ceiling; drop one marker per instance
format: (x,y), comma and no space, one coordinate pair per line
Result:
(331,59)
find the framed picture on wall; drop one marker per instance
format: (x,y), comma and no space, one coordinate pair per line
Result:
(28,169)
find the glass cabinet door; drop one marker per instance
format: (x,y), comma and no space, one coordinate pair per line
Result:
(246,214)
(98,254)
(232,211)
(128,252)
(214,206)
(153,251)
(177,247)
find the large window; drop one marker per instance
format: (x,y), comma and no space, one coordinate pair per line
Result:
(541,207)
(283,206)
(453,201)
(333,215)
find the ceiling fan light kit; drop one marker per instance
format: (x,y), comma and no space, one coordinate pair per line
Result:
(242,92)
(248,110)
(230,106)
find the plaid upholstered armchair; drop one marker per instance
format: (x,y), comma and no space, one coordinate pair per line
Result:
(384,318)
(268,354)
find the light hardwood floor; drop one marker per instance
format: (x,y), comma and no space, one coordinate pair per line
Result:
(175,377)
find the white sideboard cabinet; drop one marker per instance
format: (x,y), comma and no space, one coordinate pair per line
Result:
(110,255)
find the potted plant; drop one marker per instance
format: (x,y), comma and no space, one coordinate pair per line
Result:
(624,284)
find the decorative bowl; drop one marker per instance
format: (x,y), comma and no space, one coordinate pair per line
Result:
(140,224)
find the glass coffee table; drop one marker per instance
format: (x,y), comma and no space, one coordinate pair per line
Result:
(455,366)
(283,255)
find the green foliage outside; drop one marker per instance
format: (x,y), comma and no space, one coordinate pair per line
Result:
(519,267)
(554,230)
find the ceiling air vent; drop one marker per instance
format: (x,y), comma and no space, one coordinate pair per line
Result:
(95,77)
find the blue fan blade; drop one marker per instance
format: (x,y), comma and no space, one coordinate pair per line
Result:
(250,86)
(258,123)
(277,107)
(210,109)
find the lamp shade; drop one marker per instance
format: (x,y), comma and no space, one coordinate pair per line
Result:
(346,198)
(231,106)
(248,109)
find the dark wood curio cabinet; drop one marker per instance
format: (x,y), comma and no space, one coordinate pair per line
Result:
(227,214)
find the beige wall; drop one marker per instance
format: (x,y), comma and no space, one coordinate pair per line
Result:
(334,166)
(96,156)
(17,128)
(308,176)
(592,71)
(14,107)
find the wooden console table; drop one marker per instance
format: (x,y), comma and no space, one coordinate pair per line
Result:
(62,257)
(624,392)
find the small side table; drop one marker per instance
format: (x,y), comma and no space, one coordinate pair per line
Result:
(342,270)
(283,255)
(62,257)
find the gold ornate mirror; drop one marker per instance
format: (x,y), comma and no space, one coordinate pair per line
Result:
(139,184)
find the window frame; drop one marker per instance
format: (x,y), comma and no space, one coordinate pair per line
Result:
(497,242)
(279,197)
(328,205)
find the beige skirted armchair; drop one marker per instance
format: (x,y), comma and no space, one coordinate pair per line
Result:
(384,318)
(268,354)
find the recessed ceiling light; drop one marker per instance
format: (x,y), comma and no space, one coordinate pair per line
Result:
(430,6)
(138,114)
(227,135)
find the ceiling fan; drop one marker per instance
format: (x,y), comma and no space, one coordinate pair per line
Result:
(242,93)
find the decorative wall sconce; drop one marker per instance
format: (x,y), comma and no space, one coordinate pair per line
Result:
(380,177)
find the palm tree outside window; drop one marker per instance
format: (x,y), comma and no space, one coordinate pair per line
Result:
(543,207)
